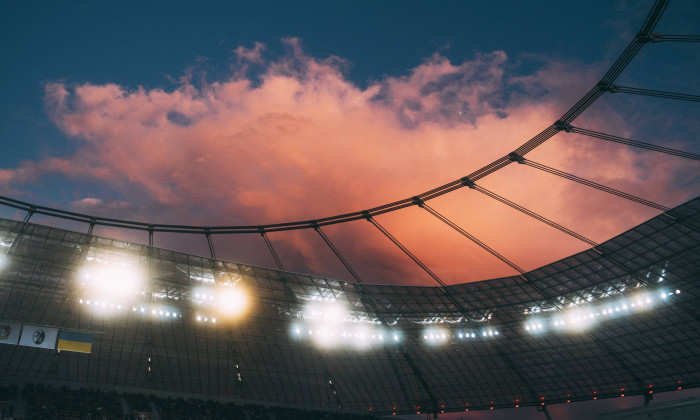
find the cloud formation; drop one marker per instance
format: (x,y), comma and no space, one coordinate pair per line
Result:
(299,141)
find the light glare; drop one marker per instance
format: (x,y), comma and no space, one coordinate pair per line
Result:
(232,301)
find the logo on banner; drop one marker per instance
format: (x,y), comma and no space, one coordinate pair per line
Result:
(9,332)
(39,336)
(5,331)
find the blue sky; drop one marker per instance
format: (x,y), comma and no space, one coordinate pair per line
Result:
(151,43)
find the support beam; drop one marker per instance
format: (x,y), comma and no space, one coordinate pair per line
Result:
(650,92)
(271,249)
(368,303)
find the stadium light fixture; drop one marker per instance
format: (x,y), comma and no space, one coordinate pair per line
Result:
(232,301)
(203,296)
(436,335)
(583,317)
(325,312)
(111,281)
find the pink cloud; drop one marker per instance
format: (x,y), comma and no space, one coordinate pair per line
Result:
(86,202)
(251,55)
(305,143)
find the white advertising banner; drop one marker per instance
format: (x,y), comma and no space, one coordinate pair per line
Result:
(9,332)
(36,336)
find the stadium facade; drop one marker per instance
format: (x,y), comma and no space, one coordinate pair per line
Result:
(618,319)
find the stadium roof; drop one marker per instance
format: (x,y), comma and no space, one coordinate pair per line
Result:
(620,318)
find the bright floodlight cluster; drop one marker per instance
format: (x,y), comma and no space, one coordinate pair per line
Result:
(442,335)
(358,336)
(109,286)
(108,278)
(106,307)
(584,317)
(328,323)
(228,301)
(206,319)
(436,335)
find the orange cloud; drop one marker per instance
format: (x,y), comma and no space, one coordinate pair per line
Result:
(303,142)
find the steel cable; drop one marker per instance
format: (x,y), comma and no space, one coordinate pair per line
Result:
(595,185)
(634,143)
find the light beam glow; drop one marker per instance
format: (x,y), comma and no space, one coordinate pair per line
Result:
(580,318)
(109,280)
(232,301)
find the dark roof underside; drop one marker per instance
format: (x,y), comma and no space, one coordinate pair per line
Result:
(628,352)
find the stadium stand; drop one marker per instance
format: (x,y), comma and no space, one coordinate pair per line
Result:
(44,402)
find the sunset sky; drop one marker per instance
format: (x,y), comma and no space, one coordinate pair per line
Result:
(246,113)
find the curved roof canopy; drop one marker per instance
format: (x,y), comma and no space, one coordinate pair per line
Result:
(621,318)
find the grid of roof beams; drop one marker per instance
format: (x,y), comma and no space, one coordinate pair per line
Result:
(488,356)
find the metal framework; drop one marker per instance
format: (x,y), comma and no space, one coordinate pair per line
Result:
(260,357)
(645,35)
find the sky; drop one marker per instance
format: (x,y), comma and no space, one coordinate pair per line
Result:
(247,113)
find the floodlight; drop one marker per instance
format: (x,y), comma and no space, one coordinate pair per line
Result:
(203,295)
(232,301)
(327,312)
(435,335)
(111,280)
